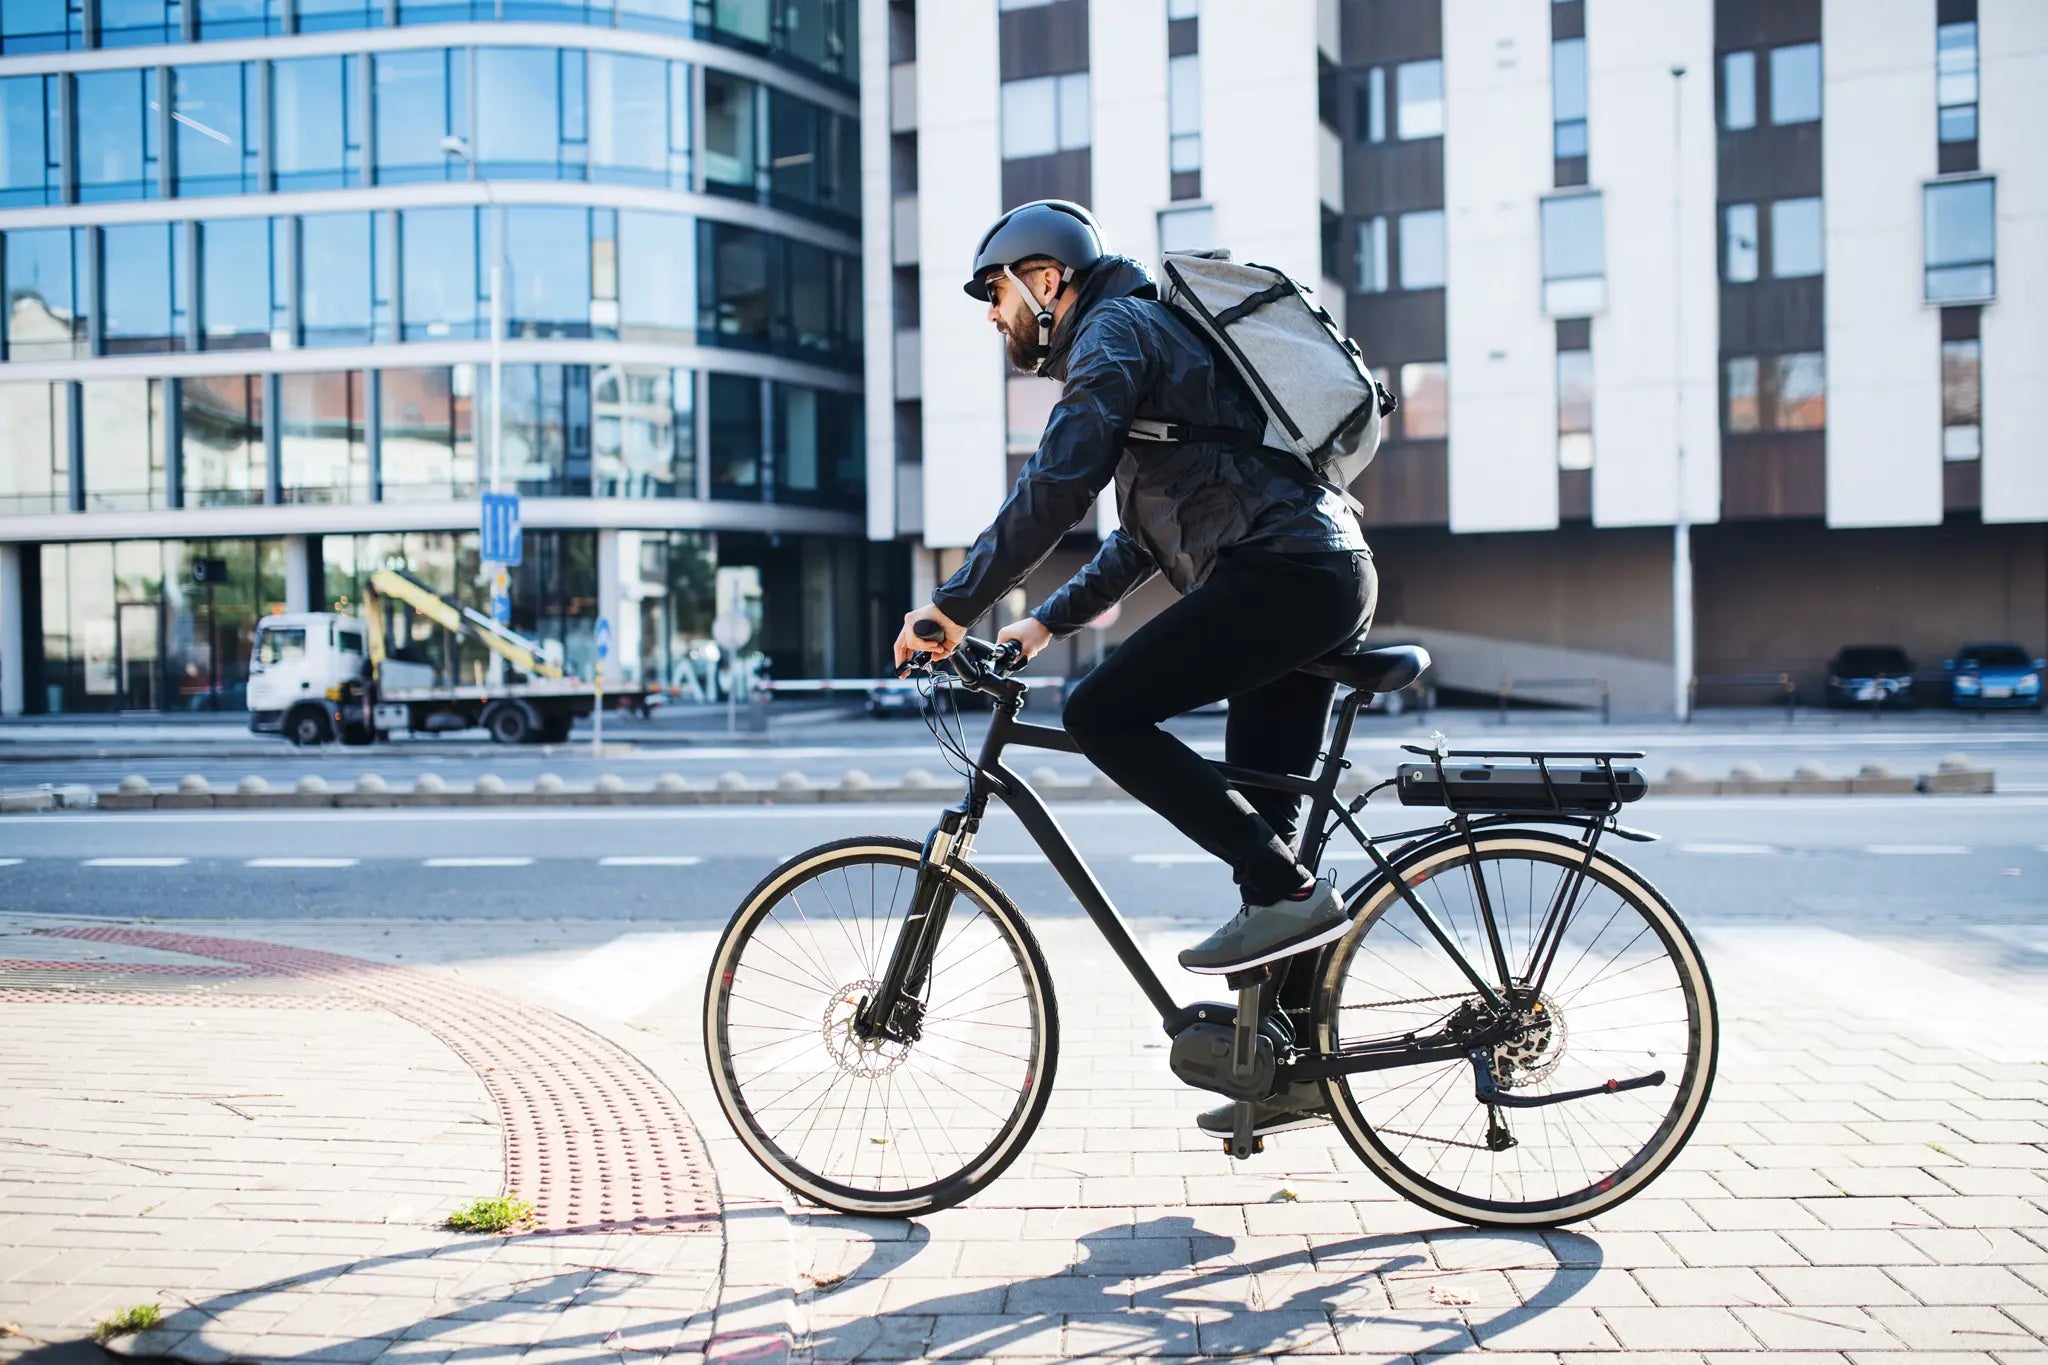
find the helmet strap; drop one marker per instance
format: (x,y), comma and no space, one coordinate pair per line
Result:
(1043,307)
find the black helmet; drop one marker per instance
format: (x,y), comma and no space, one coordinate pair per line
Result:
(1053,228)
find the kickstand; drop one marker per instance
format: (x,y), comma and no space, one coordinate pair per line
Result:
(1243,1054)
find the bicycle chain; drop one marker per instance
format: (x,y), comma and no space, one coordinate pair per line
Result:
(1418,1000)
(1424,1137)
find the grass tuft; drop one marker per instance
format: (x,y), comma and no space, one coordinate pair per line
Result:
(140,1318)
(499,1214)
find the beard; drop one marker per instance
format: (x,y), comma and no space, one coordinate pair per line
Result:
(1022,345)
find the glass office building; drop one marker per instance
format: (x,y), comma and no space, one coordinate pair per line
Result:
(247,249)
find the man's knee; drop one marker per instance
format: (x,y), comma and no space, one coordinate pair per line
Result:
(1094,710)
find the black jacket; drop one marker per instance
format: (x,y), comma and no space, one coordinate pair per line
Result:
(1121,355)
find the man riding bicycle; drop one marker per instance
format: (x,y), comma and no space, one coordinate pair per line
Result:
(1273,569)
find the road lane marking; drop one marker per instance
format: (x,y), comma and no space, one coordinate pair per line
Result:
(10,862)
(992,859)
(650,860)
(1170,859)
(477,862)
(300,862)
(1731,849)
(1910,850)
(133,862)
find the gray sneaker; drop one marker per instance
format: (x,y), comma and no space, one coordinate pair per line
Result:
(1260,934)
(1298,1106)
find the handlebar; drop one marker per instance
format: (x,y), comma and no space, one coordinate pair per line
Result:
(977,662)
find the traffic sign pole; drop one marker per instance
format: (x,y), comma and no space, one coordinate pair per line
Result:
(604,649)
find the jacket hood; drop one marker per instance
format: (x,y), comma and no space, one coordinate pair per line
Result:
(1112,277)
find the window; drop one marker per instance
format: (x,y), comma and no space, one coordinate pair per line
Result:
(217,122)
(520,107)
(1575,409)
(1799,391)
(31,140)
(47,26)
(1574,256)
(328,16)
(814,158)
(1183,9)
(735,430)
(1425,400)
(1184,112)
(1962,399)
(657,277)
(1738,91)
(1372,109)
(235,273)
(316,123)
(35,448)
(547,271)
(630,133)
(143,288)
(348,641)
(421,98)
(1738,243)
(546,428)
(817,459)
(1422,249)
(1568,97)
(1960,241)
(731,146)
(1369,261)
(117,134)
(439,291)
(737,285)
(1955,80)
(1795,238)
(427,420)
(336,259)
(134,23)
(1740,380)
(123,449)
(43,316)
(643,437)
(239,18)
(280,644)
(1046,114)
(1187,229)
(1795,83)
(221,418)
(320,433)
(1419,99)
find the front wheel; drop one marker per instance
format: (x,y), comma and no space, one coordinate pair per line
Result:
(869,1125)
(1625,996)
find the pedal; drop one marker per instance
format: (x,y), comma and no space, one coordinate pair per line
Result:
(1242,1142)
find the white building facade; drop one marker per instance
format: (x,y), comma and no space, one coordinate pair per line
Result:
(1772,269)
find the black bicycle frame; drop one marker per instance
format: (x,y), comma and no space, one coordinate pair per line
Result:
(991,777)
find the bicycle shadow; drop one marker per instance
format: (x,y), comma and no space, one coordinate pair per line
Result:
(1164,1287)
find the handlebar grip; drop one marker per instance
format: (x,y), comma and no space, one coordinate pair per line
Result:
(928,629)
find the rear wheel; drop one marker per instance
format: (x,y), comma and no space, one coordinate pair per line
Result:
(1626,996)
(510,724)
(307,726)
(870,1126)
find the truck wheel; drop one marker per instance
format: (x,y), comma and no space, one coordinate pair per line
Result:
(307,726)
(510,725)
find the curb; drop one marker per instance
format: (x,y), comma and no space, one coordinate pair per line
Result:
(1956,775)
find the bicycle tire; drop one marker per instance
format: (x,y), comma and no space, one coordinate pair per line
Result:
(984,1165)
(1693,1088)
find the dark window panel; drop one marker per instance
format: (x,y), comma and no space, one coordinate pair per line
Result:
(1765,23)
(1044,40)
(903,164)
(902,32)
(1186,185)
(1398,327)
(1961,323)
(1376,31)
(1774,474)
(1771,316)
(1769,162)
(1569,171)
(1575,495)
(1183,37)
(736,435)
(1062,175)
(1574,334)
(1955,11)
(1395,177)
(1568,19)
(1956,157)
(1962,485)
(1407,485)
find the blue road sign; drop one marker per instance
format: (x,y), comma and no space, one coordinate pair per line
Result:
(501,608)
(501,528)
(604,637)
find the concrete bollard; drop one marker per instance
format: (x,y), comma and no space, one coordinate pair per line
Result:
(253,786)
(1955,763)
(429,784)
(192,784)
(549,783)
(1044,777)
(488,784)
(312,784)
(730,781)
(1874,771)
(135,784)
(1746,772)
(792,781)
(1810,772)
(671,782)
(917,779)
(854,780)
(369,784)
(610,784)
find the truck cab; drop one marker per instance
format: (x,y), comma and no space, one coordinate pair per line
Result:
(297,658)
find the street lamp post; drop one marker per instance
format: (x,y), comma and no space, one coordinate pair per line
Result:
(1681,521)
(456,146)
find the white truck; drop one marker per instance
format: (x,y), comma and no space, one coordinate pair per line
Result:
(316,677)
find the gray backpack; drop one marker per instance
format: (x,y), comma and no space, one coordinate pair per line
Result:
(1323,408)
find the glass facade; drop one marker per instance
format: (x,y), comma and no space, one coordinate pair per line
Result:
(363,377)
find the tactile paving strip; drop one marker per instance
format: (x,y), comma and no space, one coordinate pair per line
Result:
(592,1137)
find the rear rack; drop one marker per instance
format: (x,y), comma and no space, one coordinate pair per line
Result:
(1551,798)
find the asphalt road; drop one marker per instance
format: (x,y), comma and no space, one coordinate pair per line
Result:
(824,745)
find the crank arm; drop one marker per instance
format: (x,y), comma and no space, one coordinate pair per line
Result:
(1487,1091)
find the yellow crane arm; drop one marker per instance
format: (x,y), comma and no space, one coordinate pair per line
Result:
(522,653)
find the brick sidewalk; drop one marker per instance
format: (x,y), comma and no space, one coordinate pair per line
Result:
(1862,1190)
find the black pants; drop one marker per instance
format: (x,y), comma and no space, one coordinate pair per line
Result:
(1239,636)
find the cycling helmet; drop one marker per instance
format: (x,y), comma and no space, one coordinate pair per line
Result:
(1054,228)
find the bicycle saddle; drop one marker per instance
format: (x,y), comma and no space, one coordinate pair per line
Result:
(1388,669)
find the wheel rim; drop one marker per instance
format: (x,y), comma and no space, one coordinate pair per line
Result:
(1625,996)
(877,1124)
(309,731)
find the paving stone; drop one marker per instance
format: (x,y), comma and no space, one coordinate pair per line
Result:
(1866,1246)
(1704,1287)
(1132,1335)
(1737,1248)
(1835,1286)
(1541,1329)
(1664,1329)
(1954,1329)
(1958,1284)
(1816,1329)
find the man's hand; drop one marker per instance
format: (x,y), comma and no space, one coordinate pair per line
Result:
(1028,633)
(907,642)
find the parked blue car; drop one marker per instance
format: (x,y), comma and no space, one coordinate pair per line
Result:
(1987,676)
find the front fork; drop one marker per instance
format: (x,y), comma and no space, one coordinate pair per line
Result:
(896,1011)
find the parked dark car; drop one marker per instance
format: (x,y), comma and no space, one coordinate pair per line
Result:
(1988,676)
(1870,675)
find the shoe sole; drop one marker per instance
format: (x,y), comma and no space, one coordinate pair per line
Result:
(1316,940)
(1284,1126)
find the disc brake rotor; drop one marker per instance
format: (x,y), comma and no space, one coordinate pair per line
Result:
(867,1058)
(1536,1052)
